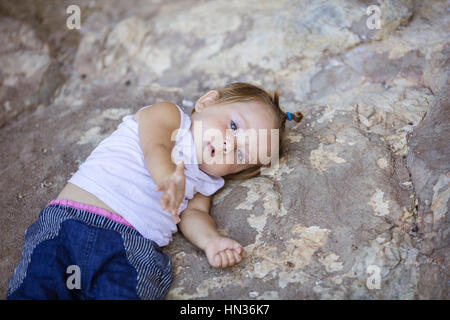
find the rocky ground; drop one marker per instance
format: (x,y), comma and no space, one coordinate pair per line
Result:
(358,208)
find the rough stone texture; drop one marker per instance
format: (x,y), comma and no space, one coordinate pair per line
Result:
(429,165)
(363,183)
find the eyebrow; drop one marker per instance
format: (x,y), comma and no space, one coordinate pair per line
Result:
(243,120)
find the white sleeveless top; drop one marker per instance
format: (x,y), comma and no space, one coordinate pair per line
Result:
(115,172)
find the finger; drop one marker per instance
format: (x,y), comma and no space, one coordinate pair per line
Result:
(163,201)
(166,195)
(171,193)
(238,248)
(237,256)
(161,187)
(175,217)
(165,206)
(217,261)
(174,213)
(177,204)
(180,167)
(224,258)
(231,258)
(165,198)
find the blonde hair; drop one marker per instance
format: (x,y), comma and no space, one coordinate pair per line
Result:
(241,91)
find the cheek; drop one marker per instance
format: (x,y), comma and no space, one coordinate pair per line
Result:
(213,130)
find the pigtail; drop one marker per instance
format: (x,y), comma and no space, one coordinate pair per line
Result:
(276,99)
(296,116)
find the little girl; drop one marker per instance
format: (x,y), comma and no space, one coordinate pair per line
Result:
(101,237)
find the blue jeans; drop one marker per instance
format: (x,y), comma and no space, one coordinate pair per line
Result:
(75,254)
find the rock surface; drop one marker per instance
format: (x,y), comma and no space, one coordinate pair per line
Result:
(358,208)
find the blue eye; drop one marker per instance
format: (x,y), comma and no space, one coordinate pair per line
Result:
(239,154)
(233,126)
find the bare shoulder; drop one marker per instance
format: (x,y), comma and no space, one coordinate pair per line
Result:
(165,111)
(200,202)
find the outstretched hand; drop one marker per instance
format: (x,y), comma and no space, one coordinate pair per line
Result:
(223,252)
(173,191)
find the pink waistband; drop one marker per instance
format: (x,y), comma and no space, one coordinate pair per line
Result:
(90,208)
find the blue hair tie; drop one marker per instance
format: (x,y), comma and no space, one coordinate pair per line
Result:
(289,116)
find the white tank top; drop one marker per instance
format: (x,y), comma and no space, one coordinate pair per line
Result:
(115,172)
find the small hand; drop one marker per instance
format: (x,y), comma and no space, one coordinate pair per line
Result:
(173,191)
(223,252)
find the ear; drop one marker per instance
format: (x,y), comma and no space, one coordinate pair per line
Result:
(206,100)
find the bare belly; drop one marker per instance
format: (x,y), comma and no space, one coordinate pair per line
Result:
(75,193)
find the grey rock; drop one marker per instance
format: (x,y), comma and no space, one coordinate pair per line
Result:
(357,209)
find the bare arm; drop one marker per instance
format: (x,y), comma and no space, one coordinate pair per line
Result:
(156,126)
(200,229)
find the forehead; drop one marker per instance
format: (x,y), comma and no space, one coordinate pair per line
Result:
(255,114)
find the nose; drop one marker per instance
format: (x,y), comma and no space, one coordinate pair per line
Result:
(225,149)
(227,145)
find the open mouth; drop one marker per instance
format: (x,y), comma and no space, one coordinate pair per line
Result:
(211,149)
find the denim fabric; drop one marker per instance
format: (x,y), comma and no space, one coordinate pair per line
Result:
(114,260)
